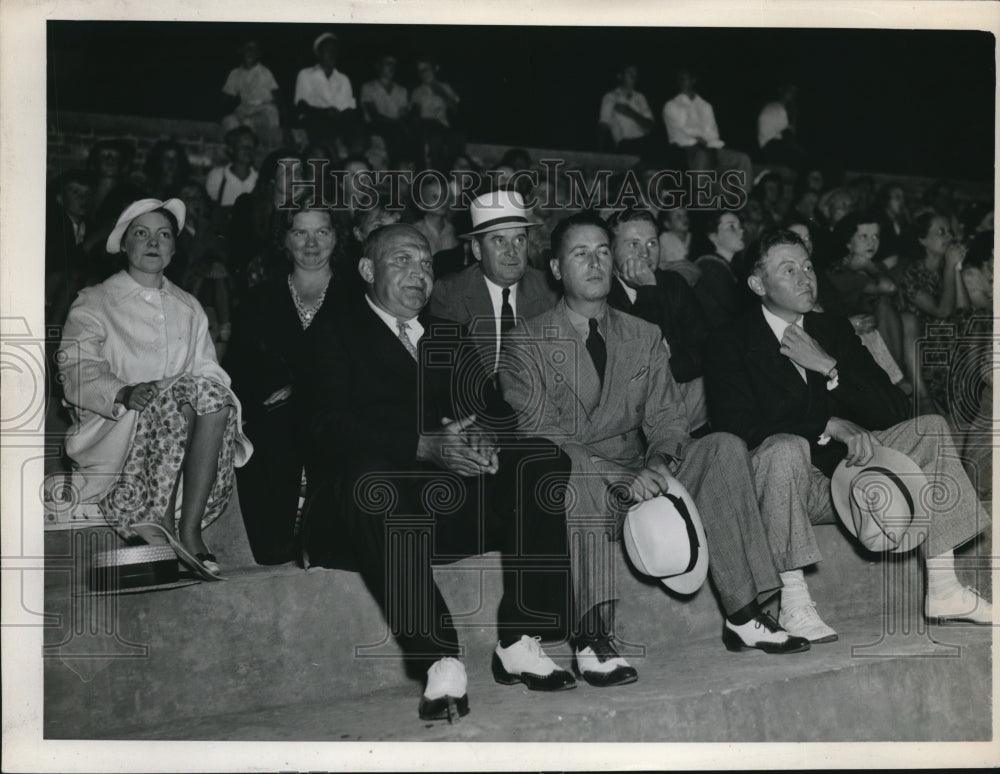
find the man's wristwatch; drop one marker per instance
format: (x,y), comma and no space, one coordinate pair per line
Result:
(832,378)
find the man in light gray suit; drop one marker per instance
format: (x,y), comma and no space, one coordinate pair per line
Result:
(597,382)
(500,288)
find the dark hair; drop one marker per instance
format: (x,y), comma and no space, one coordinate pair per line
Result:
(286,217)
(585,218)
(234,134)
(848,226)
(922,223)
(980,250)
(882,197)
(513,156)
(269,166)
(124,148)
(155,157)
(706,223)
(79,176)
(620,217)
(769,239)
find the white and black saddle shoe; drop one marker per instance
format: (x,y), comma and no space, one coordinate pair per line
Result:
(526,662)
(446,695)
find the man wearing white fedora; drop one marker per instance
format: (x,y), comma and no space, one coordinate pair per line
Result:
(597,382)
(803,392)
(500,288)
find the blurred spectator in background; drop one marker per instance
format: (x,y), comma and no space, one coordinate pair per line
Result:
(767,190)
(253,252)
(434,105)
(201,251)
(110,161)
(166,166)
(719,239)
(226,183)
(894,222)
(776,129)
(386,104)
(931,291)
(67,267)
(977,271)
(625,122)
(432,201)
(858,287)
(690,122)
(250,95)
(675,245)
(324,101)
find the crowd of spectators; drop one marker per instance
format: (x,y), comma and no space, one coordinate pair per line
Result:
(911,272)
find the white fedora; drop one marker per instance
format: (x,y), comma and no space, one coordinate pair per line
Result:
(141,207)
(880,502)
(665,539)
(496,210)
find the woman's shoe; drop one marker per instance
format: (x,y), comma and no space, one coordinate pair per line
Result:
(203,571)
(207,560)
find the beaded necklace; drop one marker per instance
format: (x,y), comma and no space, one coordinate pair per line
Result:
(306,313)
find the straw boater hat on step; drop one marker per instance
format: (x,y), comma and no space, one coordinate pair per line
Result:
(495,210)
(134,569)
(880,502)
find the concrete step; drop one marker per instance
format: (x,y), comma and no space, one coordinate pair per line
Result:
(916,689)
(276,637)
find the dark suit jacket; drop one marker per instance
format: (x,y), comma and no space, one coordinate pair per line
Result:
(362,399)
(754,391)
(671,305)
(463,297)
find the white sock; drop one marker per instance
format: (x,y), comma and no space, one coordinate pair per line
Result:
(795,591)
(941,578)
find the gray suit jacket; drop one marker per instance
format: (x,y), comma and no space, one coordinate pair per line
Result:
(550,381)
(463,297)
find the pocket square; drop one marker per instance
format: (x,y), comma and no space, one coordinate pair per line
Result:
(641,373)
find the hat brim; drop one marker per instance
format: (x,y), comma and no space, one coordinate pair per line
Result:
(139,589)
(686,582)
(909,473)
(142,206)
(498,227)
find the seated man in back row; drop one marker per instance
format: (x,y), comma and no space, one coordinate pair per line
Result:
(597,382)
(800,388)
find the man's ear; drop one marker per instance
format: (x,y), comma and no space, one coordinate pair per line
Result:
(554,265)
(477,249)
(367,270)
(756,285)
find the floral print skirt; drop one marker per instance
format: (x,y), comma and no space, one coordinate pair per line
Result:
(143,489)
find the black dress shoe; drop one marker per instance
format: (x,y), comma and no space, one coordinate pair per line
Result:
(598,662)
(762,633)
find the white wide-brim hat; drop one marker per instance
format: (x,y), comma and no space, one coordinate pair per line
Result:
(665,539)
(141,207)
(880,502)
(495,210)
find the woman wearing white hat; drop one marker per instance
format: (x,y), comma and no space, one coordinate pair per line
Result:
(148,396)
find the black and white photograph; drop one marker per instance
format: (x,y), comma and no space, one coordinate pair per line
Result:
(453,386)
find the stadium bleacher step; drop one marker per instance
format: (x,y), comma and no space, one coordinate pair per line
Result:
(275,644)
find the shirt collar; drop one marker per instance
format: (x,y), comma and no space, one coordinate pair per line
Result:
(393,322)
(582,324)
(776,324)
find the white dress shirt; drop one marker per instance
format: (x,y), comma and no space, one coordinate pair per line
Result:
(771,122)
(624,127)
(314,88)
(689,120)
(414,332)
(778,326)
(496,298)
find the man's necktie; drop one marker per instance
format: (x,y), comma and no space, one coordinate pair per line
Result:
(506,313)
(597,349)
(404,337)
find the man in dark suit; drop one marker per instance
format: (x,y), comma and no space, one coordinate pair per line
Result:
(662,298)
(383,391)
(597,382)
(800,388)
(500,288)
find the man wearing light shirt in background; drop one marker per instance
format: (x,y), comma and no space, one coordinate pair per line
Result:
(324,100)
(626,120)
(690,122)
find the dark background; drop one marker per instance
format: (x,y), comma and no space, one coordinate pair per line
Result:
(914,102)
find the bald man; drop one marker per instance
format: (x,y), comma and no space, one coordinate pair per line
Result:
(394,437)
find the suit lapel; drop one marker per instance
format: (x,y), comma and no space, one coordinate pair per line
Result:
(765,355)
(375,337)
(622,356)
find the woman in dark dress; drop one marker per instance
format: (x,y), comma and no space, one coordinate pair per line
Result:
(270,327)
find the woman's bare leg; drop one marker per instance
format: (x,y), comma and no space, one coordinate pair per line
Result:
(201,460)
